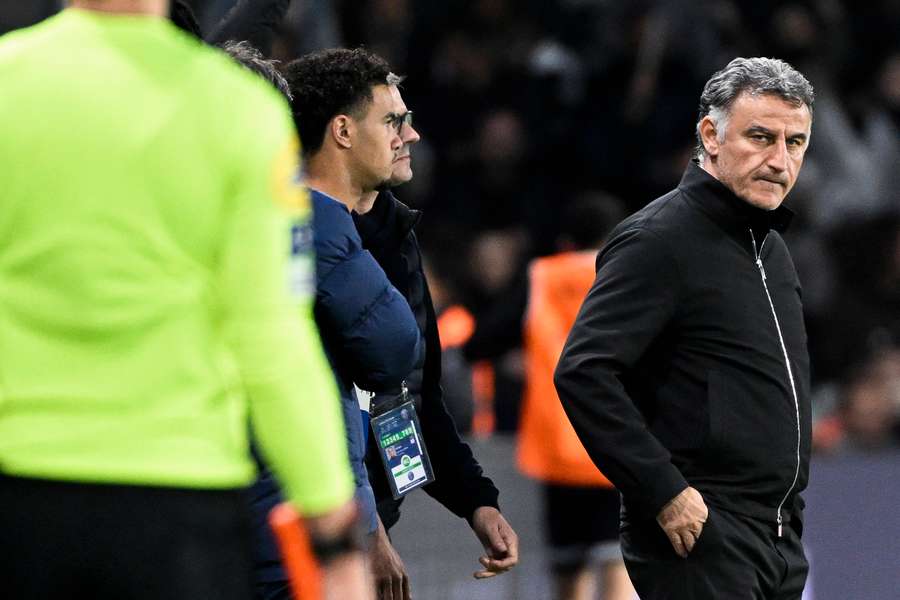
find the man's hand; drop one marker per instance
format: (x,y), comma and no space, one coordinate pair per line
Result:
(499,540)
(391,580)
(682,519)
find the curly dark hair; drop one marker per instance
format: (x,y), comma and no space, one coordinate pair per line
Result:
(329,83)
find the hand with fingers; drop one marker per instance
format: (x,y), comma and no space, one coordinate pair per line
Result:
(388,570)
(501,544)
(682,520)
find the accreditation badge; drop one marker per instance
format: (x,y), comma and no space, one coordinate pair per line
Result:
(399,438)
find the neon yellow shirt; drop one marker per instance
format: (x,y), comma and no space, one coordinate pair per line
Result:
(153,272)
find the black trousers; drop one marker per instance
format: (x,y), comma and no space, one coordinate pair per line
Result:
(70,541)
(736,558)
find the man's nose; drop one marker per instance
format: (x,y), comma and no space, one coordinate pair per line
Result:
(410,135)
(778,156)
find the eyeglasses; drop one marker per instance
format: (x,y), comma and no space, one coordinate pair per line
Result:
(398,121)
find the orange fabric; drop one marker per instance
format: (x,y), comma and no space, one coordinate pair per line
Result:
(297,556)
(484,421)
(548,448)
(455,326)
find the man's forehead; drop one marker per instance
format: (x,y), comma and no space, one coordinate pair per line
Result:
(771,111)
(386,99)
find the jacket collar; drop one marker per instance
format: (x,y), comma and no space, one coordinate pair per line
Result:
(315,192)
(388,223)
(714,199)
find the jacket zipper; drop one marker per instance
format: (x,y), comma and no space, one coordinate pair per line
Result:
(787,363)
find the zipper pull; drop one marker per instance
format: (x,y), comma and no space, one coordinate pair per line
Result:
(404,391)
(780,521)
(757,253)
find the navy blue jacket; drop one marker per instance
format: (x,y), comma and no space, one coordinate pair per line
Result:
(370,337)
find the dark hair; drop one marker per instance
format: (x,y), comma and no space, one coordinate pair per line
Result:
(754,76)
(588,220)
(182,16)
(253,59)
(327,83)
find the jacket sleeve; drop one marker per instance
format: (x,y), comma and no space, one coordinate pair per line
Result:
(368,322)
(630,303)
(460,484)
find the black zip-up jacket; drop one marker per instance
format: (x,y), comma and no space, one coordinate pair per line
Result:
(460,484)
(675,372)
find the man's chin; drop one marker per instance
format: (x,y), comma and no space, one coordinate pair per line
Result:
(393,182)
(766,202)
(384,186)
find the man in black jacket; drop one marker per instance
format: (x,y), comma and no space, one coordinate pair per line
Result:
(686,373)
(386,227)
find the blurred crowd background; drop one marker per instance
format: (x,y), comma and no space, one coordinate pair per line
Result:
(528,106)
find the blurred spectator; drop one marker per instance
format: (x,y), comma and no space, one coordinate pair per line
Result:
(455,326)
(868,416)
(863,315)
(581,507)
(870,407)
(498,303)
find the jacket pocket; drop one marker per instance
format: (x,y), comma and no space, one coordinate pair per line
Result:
(709,535)
(751,429)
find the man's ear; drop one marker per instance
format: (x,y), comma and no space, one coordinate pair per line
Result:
(709,136)
(342,130)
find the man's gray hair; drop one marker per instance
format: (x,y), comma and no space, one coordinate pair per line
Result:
(752,76)
(251,58)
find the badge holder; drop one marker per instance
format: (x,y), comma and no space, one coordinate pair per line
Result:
(399,439)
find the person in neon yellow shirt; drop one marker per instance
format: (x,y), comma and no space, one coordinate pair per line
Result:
(155,291)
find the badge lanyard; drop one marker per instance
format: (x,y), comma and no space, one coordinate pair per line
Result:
(398,435)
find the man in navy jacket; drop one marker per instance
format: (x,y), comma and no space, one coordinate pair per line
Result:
(368,330)
(357,131)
